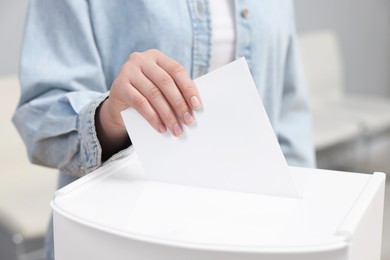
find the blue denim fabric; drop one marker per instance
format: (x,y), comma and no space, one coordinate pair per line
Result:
(73,49)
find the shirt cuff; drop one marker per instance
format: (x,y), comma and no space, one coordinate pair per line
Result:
(89,157)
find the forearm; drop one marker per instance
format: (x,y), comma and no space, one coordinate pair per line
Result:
(62,85)
(59,130)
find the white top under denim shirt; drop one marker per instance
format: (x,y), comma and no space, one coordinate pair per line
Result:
(73,50)
(223,33)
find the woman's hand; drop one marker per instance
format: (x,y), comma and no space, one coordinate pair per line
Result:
(158,87)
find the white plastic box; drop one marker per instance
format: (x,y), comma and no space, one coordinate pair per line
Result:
(114,214)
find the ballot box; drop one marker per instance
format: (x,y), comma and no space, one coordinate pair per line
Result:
(114,213)
(222,191)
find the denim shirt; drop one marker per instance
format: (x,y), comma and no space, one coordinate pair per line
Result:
(73,50)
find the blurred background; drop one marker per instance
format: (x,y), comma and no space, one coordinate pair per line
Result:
(345,47)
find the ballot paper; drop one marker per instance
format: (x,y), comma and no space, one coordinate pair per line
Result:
(232,145)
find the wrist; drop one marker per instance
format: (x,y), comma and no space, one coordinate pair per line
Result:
(112,125)
(111,135)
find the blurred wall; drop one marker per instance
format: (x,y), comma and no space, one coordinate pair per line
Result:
(364,30)
(12,16)
(362,25)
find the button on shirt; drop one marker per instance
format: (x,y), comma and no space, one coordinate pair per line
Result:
(73,50)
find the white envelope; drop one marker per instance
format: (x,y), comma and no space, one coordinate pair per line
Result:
(232,146)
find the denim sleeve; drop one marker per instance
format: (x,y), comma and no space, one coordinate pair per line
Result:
(295,126)
(62,84)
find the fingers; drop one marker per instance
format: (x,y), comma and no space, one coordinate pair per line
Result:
(124,95)
(142,105)
(163,89)
(159,88)
(182,80)
(160,104)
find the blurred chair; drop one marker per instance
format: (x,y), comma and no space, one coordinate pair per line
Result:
(25,189)
(347,127)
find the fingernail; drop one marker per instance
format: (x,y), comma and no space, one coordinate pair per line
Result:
(177,130)
(195,103)
(162,128)
(188,118)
